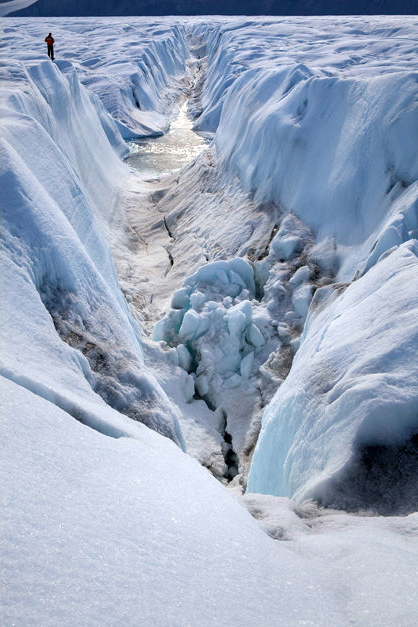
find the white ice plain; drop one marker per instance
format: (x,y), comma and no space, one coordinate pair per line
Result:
(152,310)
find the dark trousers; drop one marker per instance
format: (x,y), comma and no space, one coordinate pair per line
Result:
(51,51)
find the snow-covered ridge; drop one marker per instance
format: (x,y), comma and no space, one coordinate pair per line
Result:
(131,67)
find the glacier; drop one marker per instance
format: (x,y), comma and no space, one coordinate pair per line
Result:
(254,310)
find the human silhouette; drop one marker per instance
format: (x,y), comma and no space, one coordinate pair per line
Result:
(50,42)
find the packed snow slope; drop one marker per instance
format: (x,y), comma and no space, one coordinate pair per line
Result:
(105,515)
(102,531)
(45,8)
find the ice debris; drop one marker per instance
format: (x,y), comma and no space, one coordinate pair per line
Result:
(212,326)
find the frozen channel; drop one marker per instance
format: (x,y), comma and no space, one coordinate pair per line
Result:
(145,257)
(157,156)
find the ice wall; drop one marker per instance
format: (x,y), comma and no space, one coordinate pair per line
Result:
(316,129)
(329,134)
(331,150)
(136,86)
(60,165)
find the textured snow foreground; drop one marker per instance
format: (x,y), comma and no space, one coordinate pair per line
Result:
(280,266)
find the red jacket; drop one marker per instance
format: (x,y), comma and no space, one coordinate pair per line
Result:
(49,40)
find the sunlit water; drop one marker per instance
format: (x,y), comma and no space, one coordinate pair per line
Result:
(170,152)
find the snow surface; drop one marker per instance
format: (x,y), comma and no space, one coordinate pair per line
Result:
(281,263)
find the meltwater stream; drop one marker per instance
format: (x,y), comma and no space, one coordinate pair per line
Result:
(170,152)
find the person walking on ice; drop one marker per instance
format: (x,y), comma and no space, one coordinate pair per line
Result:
(50,43)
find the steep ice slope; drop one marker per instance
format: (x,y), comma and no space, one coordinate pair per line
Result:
(324,129)
(363,128)
(353,386)
(164,85)
(58,175)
